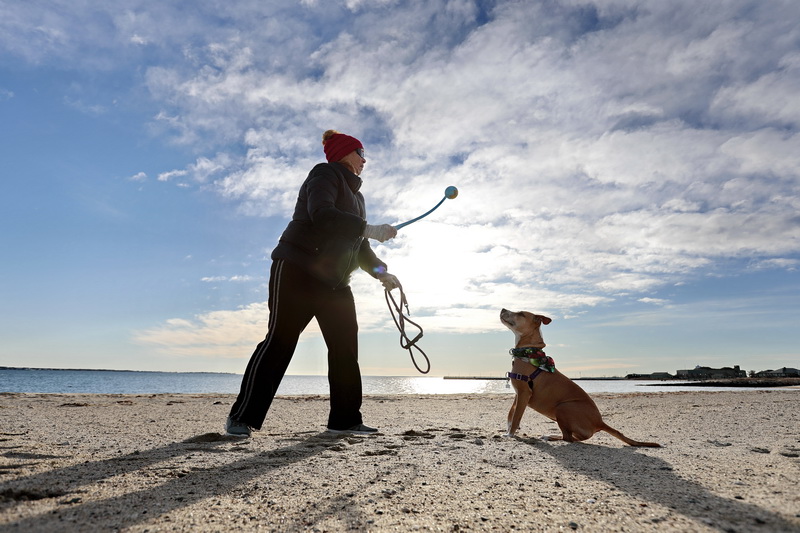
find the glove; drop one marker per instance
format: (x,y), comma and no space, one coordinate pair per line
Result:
(380,233)
(389,281)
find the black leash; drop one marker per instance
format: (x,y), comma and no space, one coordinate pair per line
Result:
(400,321)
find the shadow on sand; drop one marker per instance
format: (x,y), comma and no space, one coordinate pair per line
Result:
(652,479)
(182,488)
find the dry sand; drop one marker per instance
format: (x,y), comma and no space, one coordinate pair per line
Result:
(441,463)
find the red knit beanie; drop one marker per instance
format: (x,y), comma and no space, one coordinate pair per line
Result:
(339,145)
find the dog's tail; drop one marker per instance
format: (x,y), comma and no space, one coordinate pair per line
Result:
(626,440)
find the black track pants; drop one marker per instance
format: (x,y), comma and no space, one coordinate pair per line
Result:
(295,297)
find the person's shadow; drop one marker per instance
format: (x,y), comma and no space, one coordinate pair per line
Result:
(184,487)
(652,479)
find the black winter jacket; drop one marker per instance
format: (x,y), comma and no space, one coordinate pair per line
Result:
(324,235)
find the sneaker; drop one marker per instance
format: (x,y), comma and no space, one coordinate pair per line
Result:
(236,428)
(358,429)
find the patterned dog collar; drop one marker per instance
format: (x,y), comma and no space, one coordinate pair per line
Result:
(527,351)
(536,357)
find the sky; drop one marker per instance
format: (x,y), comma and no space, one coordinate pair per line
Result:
(629,168)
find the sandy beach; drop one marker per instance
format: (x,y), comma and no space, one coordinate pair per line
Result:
(730,462)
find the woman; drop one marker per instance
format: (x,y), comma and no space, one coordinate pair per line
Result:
(325,241)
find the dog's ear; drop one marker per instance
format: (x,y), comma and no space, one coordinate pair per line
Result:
(545,320)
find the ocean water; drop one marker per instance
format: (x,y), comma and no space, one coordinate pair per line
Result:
(132,382)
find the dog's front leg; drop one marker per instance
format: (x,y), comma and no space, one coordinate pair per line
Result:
(511,416)
(518,409)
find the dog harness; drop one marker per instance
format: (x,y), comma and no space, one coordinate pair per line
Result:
(537,358)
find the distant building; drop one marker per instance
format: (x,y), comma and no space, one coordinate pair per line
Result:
(654,375)
(780,373)
(704,372)
(661,375)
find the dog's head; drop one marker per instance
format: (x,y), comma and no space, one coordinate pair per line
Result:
(525,326)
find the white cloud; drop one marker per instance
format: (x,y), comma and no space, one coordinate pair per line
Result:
(654,301)
(167,176)
(83,107)
(791,265)
(204,168)
(589,158)
(603,150)
(217,279)
(213,334)
(201,171)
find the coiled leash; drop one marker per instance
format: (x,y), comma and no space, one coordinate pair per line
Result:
(400,321)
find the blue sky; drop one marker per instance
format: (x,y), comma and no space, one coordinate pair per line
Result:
(628,168)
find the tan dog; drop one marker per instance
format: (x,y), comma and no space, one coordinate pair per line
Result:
(540,385)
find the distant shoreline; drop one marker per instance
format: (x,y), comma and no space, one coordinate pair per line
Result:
(750,382)
(733,382)
(113,370)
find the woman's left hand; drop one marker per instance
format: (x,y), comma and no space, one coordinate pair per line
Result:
(389,281)
(381,232)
